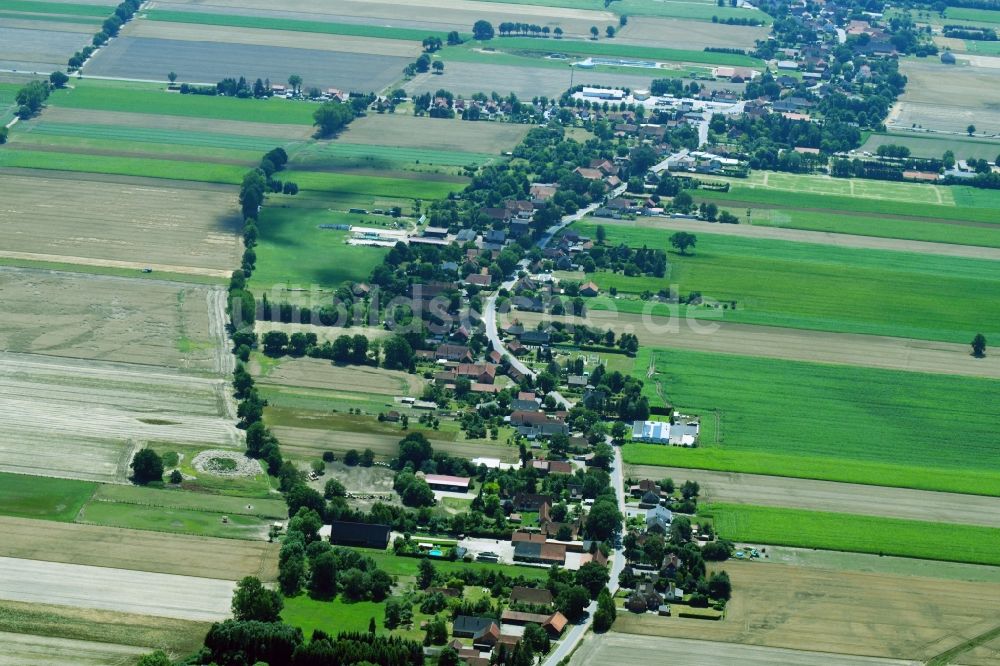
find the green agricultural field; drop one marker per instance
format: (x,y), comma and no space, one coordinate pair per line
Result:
(832,221)
(847,187)
(293,25)
(68,8)
(179,521)
(43,497)
(347,184)
(862,534)
(837,423)
(124,166)
(607,48)
(180,499)
(934,146)
(139,138)
(982,48)
(745,197)
(820,287)
(337,154)
(152,98)
(293,250)
(969,14)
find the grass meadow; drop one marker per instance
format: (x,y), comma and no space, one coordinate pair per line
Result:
(854,533)
(934,146)
(153,98)
(43,497)
(970,14)
(836,423)
(966,205)
(609,48)
(819,287)
(178,521)
(293,250)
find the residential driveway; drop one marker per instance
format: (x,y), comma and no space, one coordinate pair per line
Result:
(502,548)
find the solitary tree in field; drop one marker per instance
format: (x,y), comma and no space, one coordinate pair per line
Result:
(610,31)
(172,77)
(594,32)
(971,129)
(438,67)
(295,81)
(558,32)
(979,345)
(146,466)
(682,240)
(482,30)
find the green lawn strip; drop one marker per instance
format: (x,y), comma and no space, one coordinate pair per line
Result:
(179,499)
(855,533)
(170,151)
(408,566)
(828,422)
(43,497)
(870,225)
(153,98)
(105,270)
(293,250)
(613,49)
(334,152)
(178,521)
(68,8)
(820,287)
(230,174)
(294,25)
(746,197)
(970,14)
(537,60)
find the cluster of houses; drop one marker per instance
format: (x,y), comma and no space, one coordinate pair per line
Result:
(478,639)
(541,545)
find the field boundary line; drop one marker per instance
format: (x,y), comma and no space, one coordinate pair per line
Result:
(947,656)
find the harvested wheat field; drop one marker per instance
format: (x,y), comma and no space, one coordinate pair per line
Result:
(162,595)
(321,374)
(281,38)
(155,552)
(29,650)
(405,131)
(76,221)
(84,420)
(123,320)
(792,344)
(629,649)
(879,615)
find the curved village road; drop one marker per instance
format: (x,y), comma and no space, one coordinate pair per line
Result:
(737,488)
